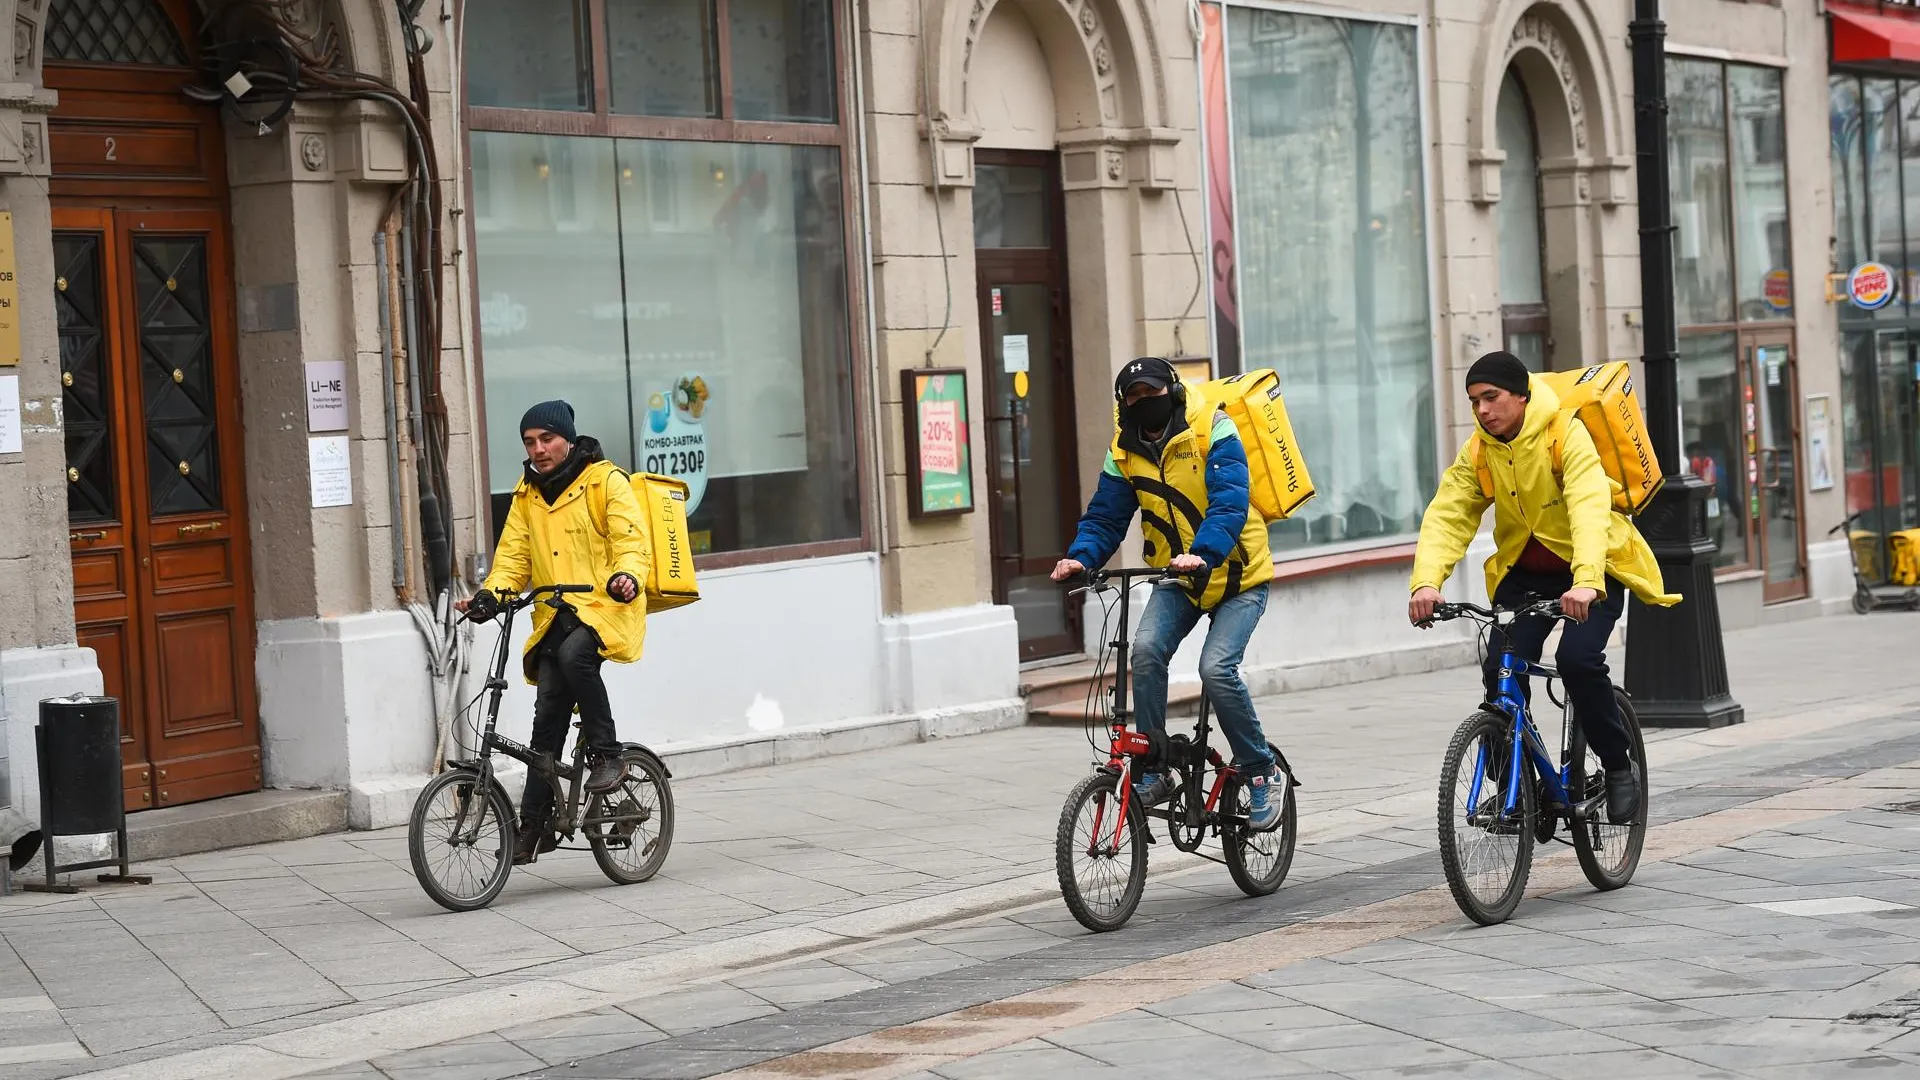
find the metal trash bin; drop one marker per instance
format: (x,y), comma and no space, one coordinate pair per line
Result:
(78,745)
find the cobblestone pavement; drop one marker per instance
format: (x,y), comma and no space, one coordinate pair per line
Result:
(893,914)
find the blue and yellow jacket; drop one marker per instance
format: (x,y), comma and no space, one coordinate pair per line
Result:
(1192,500)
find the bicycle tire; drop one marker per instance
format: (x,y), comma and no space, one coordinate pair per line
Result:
(1099,791)
(609,842)
(1236,839)
(1591,839)
(421,846)
(1494,731)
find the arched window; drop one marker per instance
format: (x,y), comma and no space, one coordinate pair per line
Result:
(1523,299)
(113,32)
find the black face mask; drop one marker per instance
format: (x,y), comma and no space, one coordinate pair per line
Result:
(1150,414)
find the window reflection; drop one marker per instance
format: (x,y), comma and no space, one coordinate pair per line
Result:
(1333,260)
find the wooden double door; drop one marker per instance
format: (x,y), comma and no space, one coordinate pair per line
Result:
(155,507)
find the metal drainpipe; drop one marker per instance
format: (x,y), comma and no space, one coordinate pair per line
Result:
(395,524)
(876,410)
(413,348)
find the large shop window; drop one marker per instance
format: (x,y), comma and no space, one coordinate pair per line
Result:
(1875,128)
(675,263)
(1333,261)
(1725,149)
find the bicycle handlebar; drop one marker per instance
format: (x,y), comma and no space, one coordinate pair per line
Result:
(484,610)
(1446,612)
(1094,580)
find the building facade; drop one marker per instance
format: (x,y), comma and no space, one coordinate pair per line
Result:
(861,274)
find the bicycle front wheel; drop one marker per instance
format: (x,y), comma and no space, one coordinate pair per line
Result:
(631,827)
(1485,850)
(1102,870)
(1608,853)
(1259,861)
(460,840)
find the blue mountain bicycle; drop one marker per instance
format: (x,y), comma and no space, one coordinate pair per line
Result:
(1500,792)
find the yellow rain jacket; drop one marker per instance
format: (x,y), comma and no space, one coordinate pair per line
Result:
(1571,514)
(1174,501)
(562,544)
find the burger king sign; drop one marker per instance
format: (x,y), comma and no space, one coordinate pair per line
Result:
(1871,286)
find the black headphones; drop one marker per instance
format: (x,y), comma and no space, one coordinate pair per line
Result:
(1148,367)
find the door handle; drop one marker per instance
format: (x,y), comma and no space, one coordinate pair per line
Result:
(201,527)
(85,537)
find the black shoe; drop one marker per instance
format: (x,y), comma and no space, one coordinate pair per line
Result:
(531,842)
(607,770)
(1623,795)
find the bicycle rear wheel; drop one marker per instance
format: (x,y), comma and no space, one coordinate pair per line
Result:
(460,840)
(1259,861)
(1486,852)
(631,827)
(1100,879)
(1608,853)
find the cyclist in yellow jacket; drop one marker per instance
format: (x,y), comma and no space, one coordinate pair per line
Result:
(553,537)
(1179,463)
(1555,534)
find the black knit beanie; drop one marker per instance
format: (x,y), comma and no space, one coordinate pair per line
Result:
(555,416)
(1501,369)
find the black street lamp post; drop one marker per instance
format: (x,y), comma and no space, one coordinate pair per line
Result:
(1676,660)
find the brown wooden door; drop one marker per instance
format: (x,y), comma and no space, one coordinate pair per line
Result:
(156,509)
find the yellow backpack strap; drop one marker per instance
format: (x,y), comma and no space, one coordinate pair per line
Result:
(1559,428)
(597,502)
(1480,467)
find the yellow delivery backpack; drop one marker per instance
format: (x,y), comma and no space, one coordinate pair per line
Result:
(1277,480)
(1600,397)
(663,502)
(1905,547)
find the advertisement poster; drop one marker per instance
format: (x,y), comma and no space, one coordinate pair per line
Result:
(940,468)
(1217,139)
(1819,443)
(674,442)
(330,471)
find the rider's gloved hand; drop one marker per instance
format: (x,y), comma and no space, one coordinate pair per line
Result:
(623,587)
(484,605)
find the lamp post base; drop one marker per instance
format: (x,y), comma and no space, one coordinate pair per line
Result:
(1676,661)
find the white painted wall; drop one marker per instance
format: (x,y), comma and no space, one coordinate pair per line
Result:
(767,649)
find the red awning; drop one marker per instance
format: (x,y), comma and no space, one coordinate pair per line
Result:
(1865,37)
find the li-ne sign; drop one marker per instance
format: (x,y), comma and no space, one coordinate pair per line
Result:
(327,395)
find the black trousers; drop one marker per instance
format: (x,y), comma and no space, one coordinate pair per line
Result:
(569,675)
(1581,658)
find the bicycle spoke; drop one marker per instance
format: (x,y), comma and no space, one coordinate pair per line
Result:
(1101,877)
(1486,841)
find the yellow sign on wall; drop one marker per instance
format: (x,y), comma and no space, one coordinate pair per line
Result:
(9,295)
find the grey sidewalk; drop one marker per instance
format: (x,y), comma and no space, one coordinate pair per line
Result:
(239,945)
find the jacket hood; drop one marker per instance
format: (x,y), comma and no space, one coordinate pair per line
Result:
(1542,406)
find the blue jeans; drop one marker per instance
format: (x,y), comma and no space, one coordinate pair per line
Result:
(1170,616)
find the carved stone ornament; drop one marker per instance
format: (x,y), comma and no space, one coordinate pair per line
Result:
(1102,58)
(313,152)
(1540,34)
(1089,19)
(26,36)
(1116,164)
